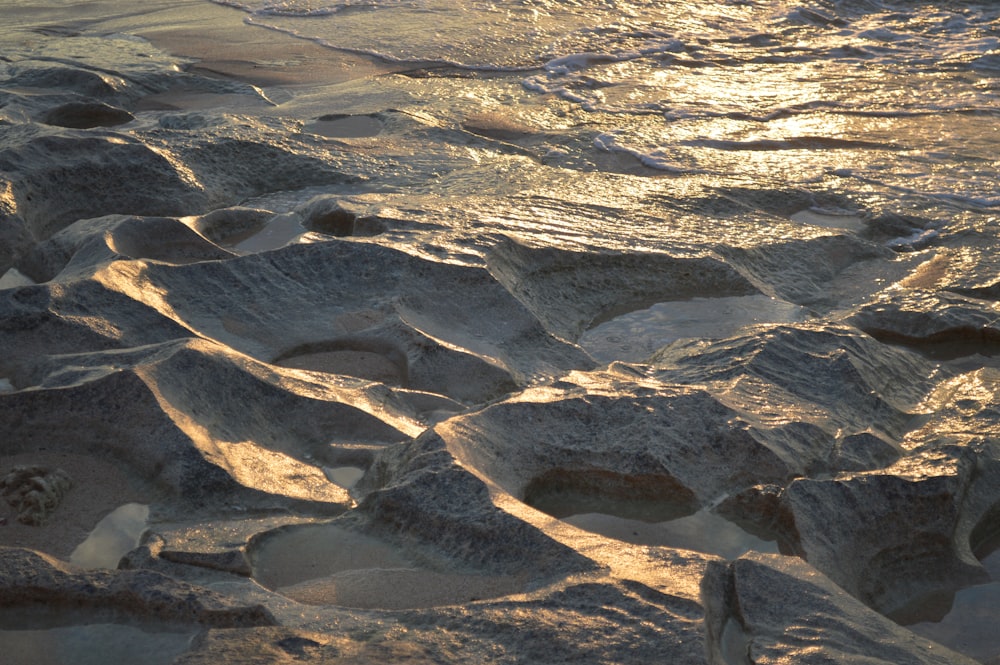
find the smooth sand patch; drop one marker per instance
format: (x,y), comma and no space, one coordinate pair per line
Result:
(328,565)
(400,589)
(98,488)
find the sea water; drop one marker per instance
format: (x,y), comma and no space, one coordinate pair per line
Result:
(892,96)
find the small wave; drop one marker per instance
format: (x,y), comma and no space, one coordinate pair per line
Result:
(655,158)
(388,57)
(916,241)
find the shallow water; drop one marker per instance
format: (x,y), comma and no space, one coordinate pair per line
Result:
(702,531)
(113,537)
(329,565)
(93,644)
(636,335)
(345,476)
(969,626)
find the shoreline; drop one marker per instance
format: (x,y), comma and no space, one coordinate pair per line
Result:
(215,36)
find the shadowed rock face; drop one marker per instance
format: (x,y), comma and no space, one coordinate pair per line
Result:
(34,579)
(762,608)
(341,368)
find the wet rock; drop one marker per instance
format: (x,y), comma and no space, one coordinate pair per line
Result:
(90,243)
(15,238)
(940,324)
(831,377)
(968,267)
(233,166)
(864,451)
(163,415)
(80,322)
(770,609)
(86,115)
(805,271)
(760,511)
(57,178)
(334,216)
(418,495)
(245,393)
(894,228)
(570,291)
(29,579)
(228,226)
(600,440)
(282,645)
(156,554)
(62,78)
(360,288)
(398,355)
(34,491)
(901,539)
(963,435)
(440,316)
(327,215)
(585,622)
(886,539)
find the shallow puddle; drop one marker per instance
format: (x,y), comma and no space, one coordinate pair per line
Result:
(197,100)
(13,278)
(113,537)
(345,476)
(278,232)
(328,565)
(970,627)
(704,531)
(93,644)
(829,218)
(345,126)
(633,337)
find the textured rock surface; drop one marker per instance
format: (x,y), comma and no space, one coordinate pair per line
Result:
(342,370)
(32,579)
(769,610)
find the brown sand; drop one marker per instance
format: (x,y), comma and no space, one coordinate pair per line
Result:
(98,488)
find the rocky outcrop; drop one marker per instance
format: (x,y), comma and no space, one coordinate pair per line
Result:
(769,609)
(31,579)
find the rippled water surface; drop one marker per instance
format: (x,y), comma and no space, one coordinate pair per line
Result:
(875,97)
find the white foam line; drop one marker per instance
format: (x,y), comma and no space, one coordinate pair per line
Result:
(391,58)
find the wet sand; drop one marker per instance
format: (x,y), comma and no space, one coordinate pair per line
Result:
(98,488)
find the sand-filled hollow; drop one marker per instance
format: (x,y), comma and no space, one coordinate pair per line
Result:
(329,565)
(97,489)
